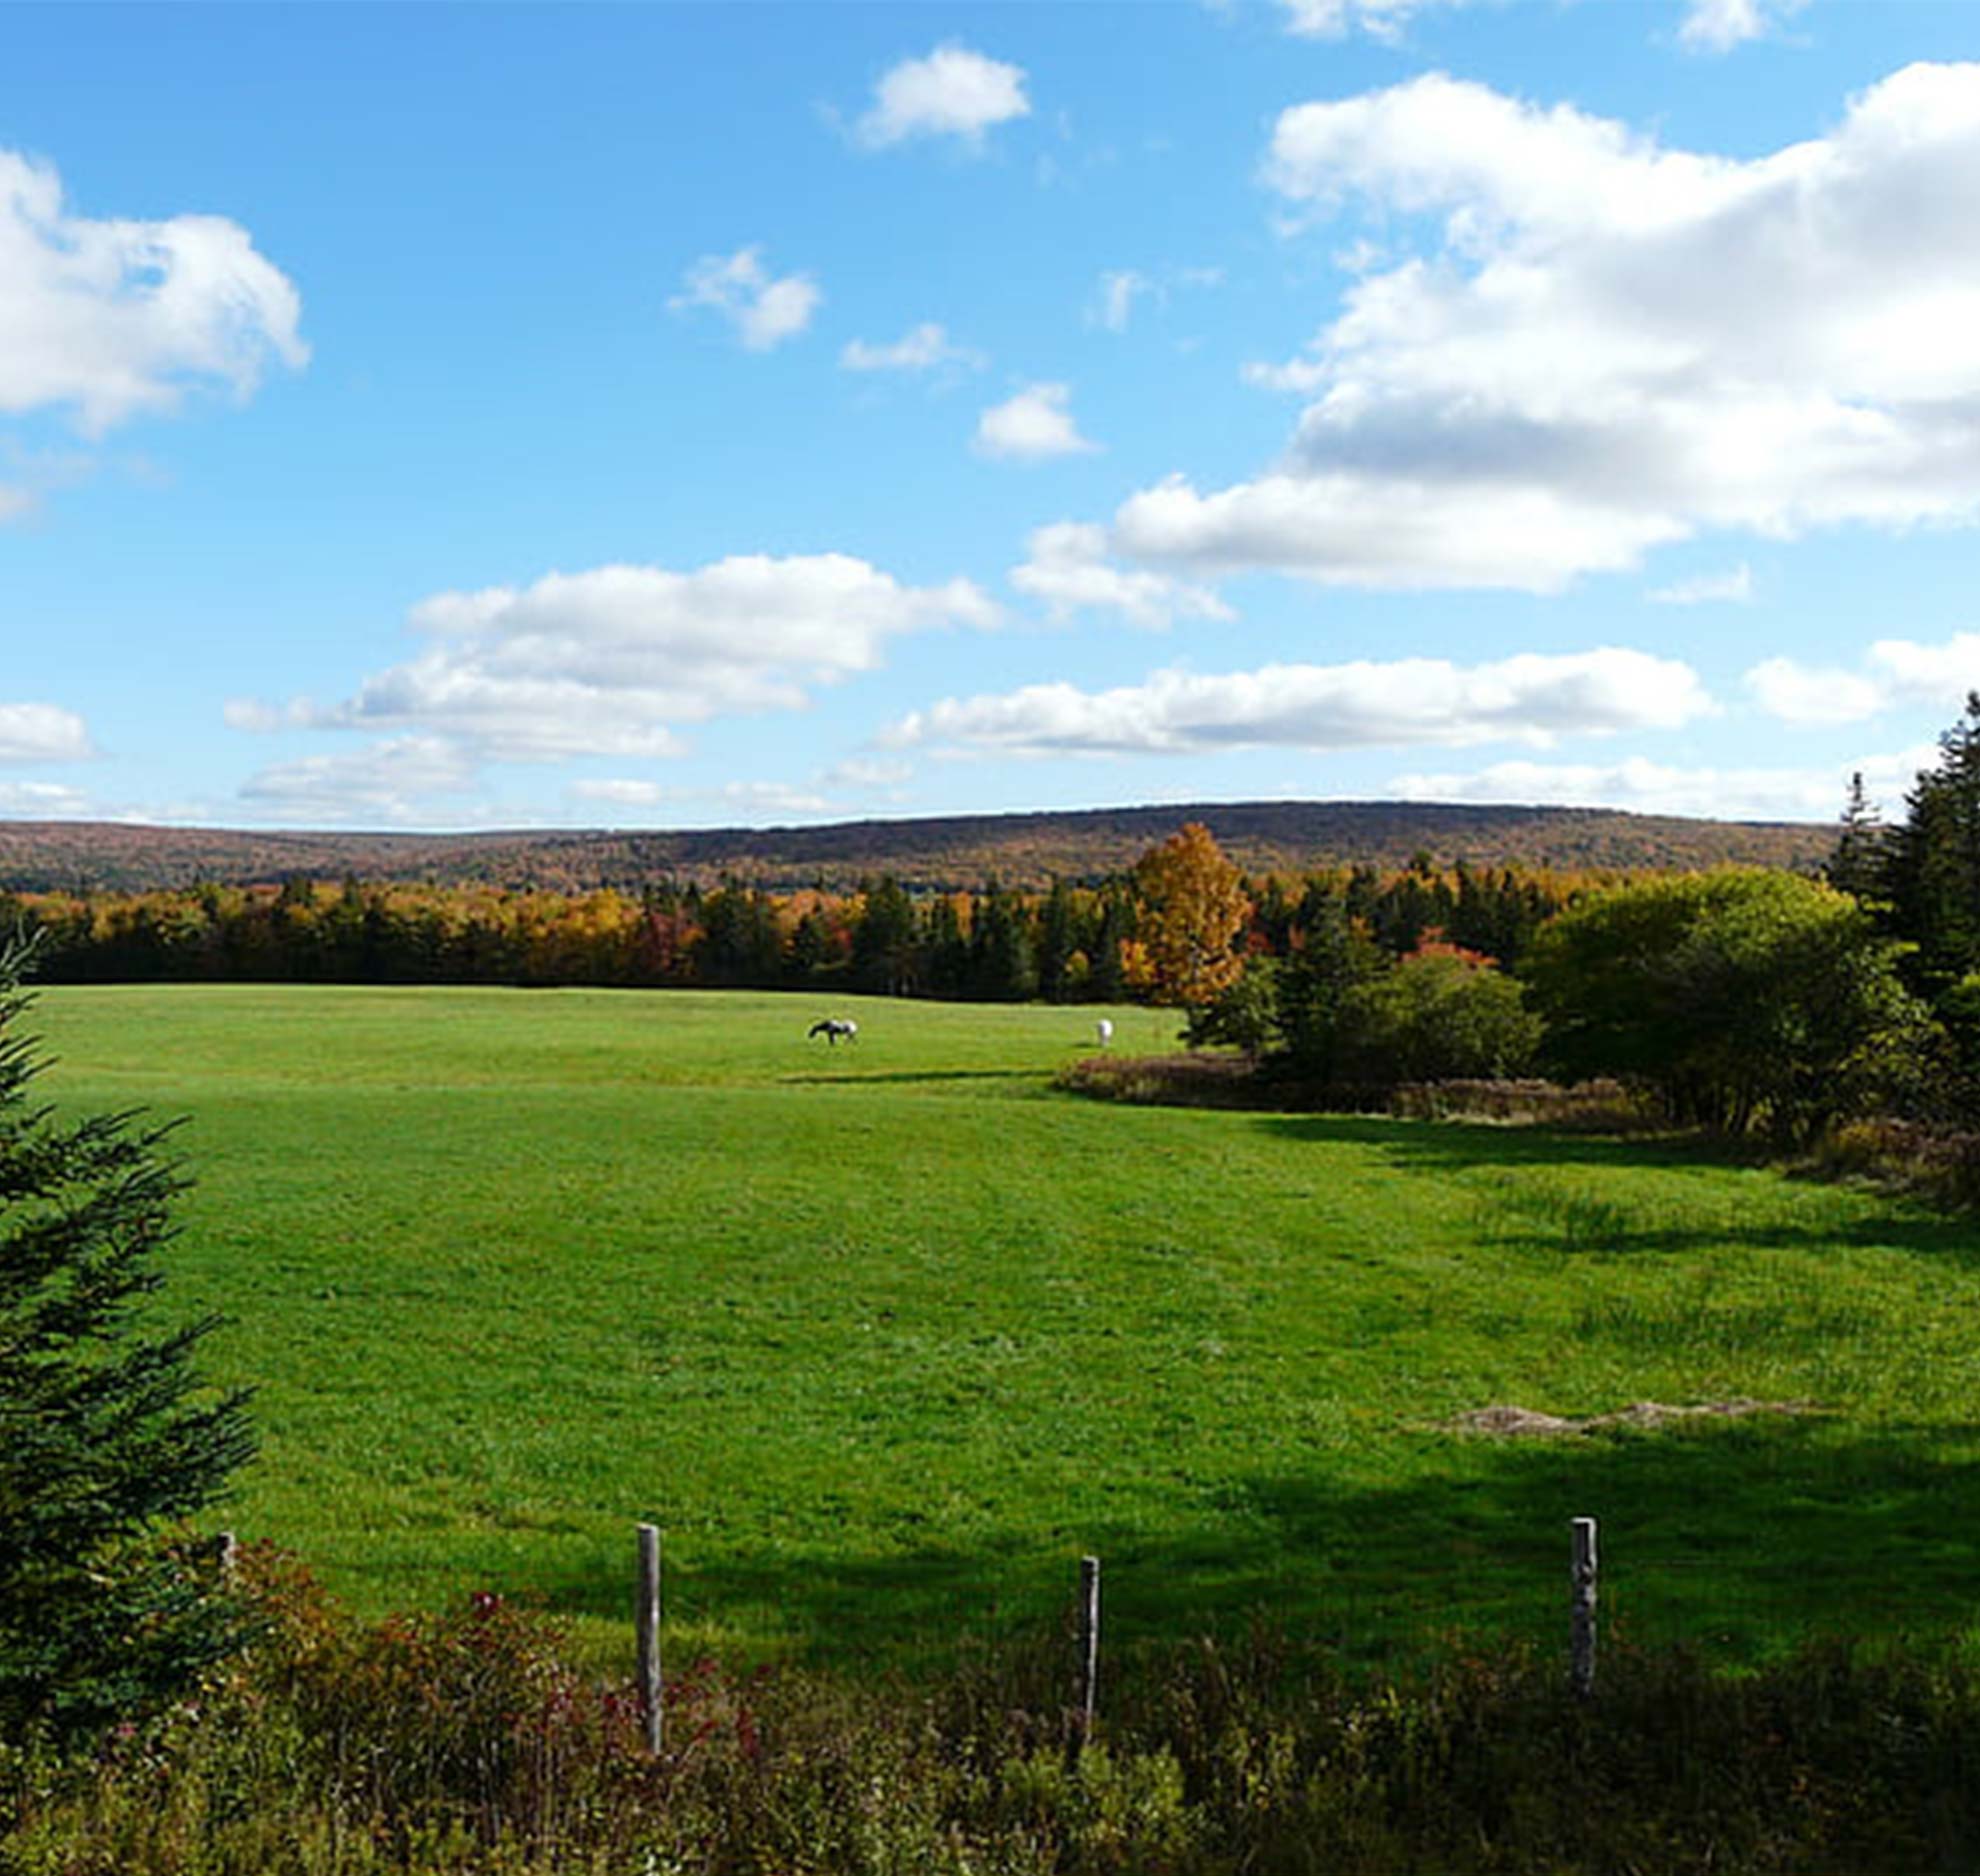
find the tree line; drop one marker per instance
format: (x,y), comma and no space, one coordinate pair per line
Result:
(1088,942)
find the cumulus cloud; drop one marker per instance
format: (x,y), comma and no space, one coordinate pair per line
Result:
(1529,698)
(1719,25)
(926,347)
(604,662)
(1896,671)
(1759,794)
(1734,587)
(953,92)
(111,320)
(390,783)
(1032,426)
(38,732)
(1069,571)
(1605,344)
(764,309)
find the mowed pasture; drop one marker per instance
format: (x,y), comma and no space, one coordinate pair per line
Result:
(885,1336)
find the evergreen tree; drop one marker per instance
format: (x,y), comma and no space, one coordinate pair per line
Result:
(1002,958)
(1857,866)
(1058,940)
(105,1430)
(883,953)
(1934,866)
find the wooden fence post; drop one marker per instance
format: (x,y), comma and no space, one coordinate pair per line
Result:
(1581,1621)
(1089,1645)
(648,1619)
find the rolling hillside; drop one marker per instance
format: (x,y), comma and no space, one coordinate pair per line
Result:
(1022,849)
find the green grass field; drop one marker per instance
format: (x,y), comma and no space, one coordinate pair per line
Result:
(885,1337)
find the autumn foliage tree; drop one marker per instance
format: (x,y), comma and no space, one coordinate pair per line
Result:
(1193,911)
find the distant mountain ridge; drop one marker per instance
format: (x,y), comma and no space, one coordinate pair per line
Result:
(943,852)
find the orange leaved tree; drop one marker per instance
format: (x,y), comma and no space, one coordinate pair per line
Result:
(1193,911)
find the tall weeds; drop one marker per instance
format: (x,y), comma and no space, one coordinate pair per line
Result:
(466,1744)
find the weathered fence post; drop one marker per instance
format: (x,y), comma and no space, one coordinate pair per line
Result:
(1581,1633)
(1089,1648)
(648,1615)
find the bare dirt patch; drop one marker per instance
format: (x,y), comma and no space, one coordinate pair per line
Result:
(1510,1422)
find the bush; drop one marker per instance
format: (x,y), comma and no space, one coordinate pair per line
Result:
(1746,1000)
(1439,1014)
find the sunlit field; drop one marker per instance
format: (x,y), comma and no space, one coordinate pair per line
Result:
(885,1336)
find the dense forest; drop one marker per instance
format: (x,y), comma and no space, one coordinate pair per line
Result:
(995,943)
(1026,851)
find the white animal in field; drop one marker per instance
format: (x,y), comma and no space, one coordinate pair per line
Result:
(1104,1029)
(834,1029)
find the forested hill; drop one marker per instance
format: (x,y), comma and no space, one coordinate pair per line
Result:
(958,851)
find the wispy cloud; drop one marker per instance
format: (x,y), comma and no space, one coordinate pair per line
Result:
(1733,588)
(764,309)
(923,348)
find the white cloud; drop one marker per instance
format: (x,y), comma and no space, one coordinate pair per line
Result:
(764,309)
(747,797)
(869,773)
(1734,587)
(1113,300)
(1528,698)
(953,92)
(116,319)
(393,782)
(1928,674)
(1069,570)
(1797,693)
(1759,794)
(603,662)
(1033,426)
(35,732)
(926,347)
(1606,345)
(1719,25)
(44,801)
(1331,19)
(1897,671)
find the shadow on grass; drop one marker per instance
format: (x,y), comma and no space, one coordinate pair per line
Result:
(1737,1539)
(909,1075)
(1584,1220)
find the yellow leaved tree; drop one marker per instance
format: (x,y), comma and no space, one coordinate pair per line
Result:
(1193,912)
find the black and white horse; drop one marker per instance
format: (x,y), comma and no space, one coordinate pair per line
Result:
(835,1029)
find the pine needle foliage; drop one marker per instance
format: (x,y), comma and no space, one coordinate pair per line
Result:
(107,1436)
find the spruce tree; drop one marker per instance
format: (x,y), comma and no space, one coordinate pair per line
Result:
(1934,868)
(107,1435)
(1857,866)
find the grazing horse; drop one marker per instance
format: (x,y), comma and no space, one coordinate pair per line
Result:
(1104,1029)
(832,1028)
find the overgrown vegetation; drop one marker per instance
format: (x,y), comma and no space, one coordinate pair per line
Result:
(467,1742)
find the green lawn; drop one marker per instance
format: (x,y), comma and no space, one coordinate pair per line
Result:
(886,1336)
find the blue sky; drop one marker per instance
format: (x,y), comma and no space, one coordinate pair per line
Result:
(688,415)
